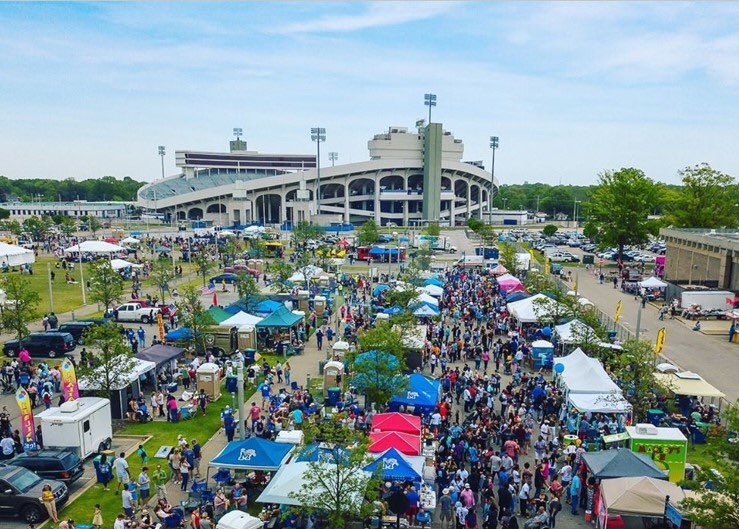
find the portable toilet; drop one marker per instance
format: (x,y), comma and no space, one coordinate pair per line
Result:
(247,338)
(332,372)
(303,301)
(542,353)
(319,303)
(209,379)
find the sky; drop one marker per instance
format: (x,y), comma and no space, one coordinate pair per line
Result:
(571,89)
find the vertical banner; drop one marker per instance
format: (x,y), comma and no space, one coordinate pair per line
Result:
(619,306)
(70,389)
(160,326)
(28,430)
(546,265)
(660,344)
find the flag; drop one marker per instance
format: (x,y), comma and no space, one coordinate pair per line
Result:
(215,299)
(546,265)
(160,326)
(205,291)
(619,305)
(70,388)
(28,430)
(660,344)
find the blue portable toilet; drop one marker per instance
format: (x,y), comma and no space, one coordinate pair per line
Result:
(542,353)
(332,396)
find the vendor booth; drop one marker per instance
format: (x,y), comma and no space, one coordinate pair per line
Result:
(509,283)
(332,373)
(164,356)
(542,354)
(242,319)
(124,388)
(396,422)
(279,326)
(404,442)
(393,466)
(422,395)
(636,496)
(588,377)
(533,309)
(267,306)
(621,463)
(219,315)
(668,447)
(254,453)
(209,379)
(12,255)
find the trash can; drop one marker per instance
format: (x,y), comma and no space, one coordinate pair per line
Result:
(612,335)
(655,416)
(232,384)
(249,356)
(699,436)
(333,395)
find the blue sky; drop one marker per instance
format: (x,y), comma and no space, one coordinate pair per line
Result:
(571,89)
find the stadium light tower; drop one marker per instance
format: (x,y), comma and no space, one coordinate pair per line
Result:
(430,101)
(333,156)
(494,147)
(162,152)
(318,134)
(238,132)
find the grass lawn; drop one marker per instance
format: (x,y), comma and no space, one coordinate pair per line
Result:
(708,456)
(163,433)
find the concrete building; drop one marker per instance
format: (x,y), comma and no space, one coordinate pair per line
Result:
(78,208)
(412,177)
(702,257)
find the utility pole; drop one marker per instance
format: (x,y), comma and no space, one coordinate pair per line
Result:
(240,385)
(494,146)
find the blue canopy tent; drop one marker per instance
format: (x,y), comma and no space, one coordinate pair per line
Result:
(378,289)
(433,281)
(376,251)
(516,296)
(393,467)
(320,452)
(395,309)
(425,311)
(254,453)
(180,334)
(423,394)
(268,306)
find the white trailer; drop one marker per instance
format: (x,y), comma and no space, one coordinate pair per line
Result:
(83,424)
(707,299)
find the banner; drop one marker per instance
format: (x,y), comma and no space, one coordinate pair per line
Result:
(619,305)
(160,326)
(546,265)
(28,430)
(70,389)
(660,344)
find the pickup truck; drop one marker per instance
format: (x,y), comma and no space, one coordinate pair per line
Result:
(135,312)
(162,307)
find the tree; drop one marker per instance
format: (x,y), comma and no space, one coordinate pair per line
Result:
(716,508)
(281,272)
(161,275)
(194,316)
(474,224)
(422,259)
(507,256)
(247,288)
(21,305)
(110,362)
(336,485)
(67,226)
(367,233)
(634,372)
(106,285)
(432,229)
(4,214)
(203,265)
(229,252)
(619,208)
(706,200)
(549,230)
(94,224)
(304,231)
(487,235)
(37,227)
(379,373)
(12,226)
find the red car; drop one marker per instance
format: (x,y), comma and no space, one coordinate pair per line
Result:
(163,308)
(241,269)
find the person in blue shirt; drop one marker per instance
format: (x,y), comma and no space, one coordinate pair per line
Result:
(575,487)
(298,418)
(142,336)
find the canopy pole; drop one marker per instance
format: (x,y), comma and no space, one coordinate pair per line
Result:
(240,385)
(51,291)
(82,275)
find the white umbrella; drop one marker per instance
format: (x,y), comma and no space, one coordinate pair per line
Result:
(95,247)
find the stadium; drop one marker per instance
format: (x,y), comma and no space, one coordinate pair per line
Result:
(411,178)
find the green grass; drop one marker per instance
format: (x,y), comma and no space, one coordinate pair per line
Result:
(162,433)
(710,455)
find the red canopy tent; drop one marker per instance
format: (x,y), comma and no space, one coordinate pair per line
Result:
(397,422)
(403,442)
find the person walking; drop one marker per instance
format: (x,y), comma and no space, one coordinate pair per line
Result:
(555,505)
(49,501)
(121,471)
(575,488)
(142,336)
(184,472)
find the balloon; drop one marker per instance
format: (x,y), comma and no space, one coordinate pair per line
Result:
(559,368)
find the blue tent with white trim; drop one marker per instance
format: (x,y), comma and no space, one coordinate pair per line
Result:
(320,452)
(423,393)
(394,467)
(395,309)
(254,453)
(433,281)
(268,306)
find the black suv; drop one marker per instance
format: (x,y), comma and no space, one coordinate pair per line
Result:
(61,465)
(51,344)
(20,493)
(77,329)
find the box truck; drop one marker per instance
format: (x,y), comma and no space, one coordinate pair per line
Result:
(83,425)
(707,299)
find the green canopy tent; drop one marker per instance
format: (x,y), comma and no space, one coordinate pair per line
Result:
(278,327)
(219,315)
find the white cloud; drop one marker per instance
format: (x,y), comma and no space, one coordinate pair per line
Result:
(377,14)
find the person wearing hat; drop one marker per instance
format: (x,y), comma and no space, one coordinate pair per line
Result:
(445,504)
(467,497)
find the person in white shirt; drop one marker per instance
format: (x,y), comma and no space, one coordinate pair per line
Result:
(120,522)
(8,447)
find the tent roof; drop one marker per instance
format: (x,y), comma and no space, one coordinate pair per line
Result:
(95,247)
(239,520)
(652,282)
(422,391)
(180,333)
(574,331)
(687,383)
(524,310)
(218,314)
(403,442)
(11,249)
(268,305)
(140,367)
(254,453)
(499,270)
(160,354)
(118,264)
(507,280)
(319,452)
(130,240)
(638,496)
(592,379)
(599,402)
(393,466)
(432,290)
(621,463)
(396,422)
(282,317)
(574,358)
(425,297)
(433,281)
(425,311)
(289,480)
(242,319)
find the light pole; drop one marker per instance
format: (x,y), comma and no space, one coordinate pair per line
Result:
(333,156)
(430,101)
(493,146)
(505,200)
(574,213)
(238,132)
(318,134)
(162,152)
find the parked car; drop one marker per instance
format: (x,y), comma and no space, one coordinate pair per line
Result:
(162,307)
(77,329)
(241,269)
(20,493)
(563,257)
(61,465)
(229,278)
(51,344)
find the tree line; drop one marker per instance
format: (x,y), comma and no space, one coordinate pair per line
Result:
(50,190)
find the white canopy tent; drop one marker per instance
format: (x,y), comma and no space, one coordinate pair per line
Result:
(652,282)
(239,520)
(306,274)
(530,310)
(120,264)
(423,297)
(289,480)
(599,402)
(13,255)
(99,247)
(241,319)
(592,379)
(130,240)
(433,290)
(687,383)
(141,367)
(575,331)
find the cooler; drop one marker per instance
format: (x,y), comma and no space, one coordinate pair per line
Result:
(655,416)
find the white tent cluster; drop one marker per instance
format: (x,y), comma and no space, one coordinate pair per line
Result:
(13,255)
(531,310)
